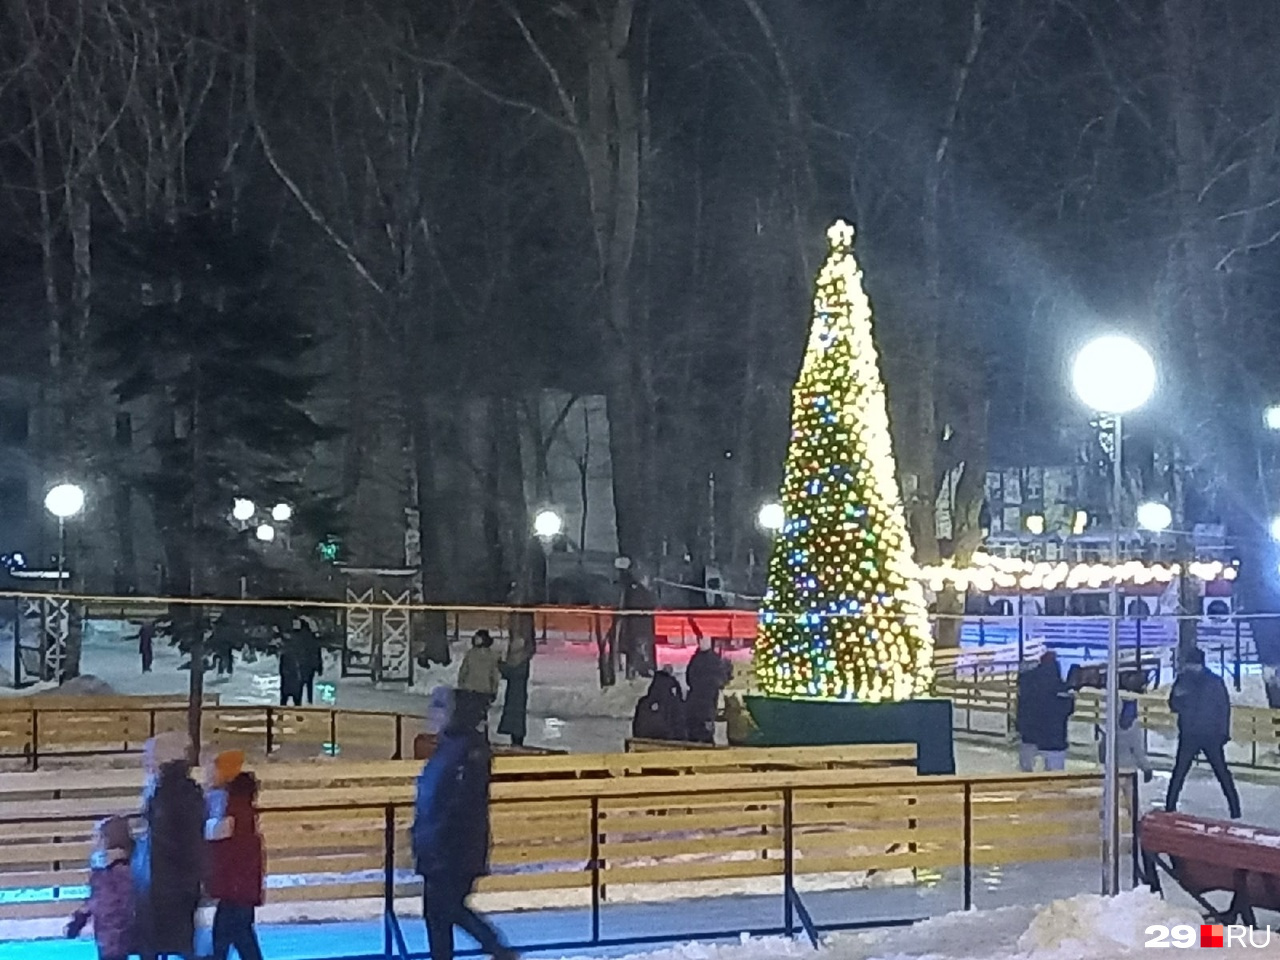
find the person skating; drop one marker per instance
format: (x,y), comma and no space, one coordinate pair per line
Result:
(238,869)
(111,905)
(514,721)
(660,714)
(1200,699)
(480,673)
(146,644)
(290,673)
(1045,705)
(706,675)
(169,859)
(310,660)
(450,833)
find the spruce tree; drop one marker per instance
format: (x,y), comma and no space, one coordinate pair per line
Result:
(843,616)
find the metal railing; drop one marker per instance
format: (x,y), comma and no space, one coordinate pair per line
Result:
(795,917)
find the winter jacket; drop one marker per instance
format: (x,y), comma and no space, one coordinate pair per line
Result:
(237,860)
(1200,699)
(480,672)
(514,721)
(169,862)
(111,905)
(1045,704)
(705,677)
(659,714)
(450,833)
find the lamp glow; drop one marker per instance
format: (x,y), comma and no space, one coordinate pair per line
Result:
(65,500)
(1154,516)
(243,509)
(547,524)
(1035,524)
(1271,417)
(1113,374)
(265,532)
(282,513)
(772,517)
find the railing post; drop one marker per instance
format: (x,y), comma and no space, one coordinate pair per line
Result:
(788,862)
(333,732)
(968,846)
(595,870)
(1237,667)
(398,753)
(35,739)
(388,876)
(151,728)
(1133,828)
(271,711)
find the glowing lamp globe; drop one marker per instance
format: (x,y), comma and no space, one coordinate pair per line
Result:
(1271,417)
(1154,516)
(547,524)
(1275,528)
(282,513)
(243,509)
(265,532)
(772,517)
(65,500)
(1113,374)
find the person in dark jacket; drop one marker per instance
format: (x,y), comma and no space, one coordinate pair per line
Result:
(310,660)
(521,647)
(111,905)
(168,865)
(659,713)
(706,675)
(290,673)
(146,644)
(1045,705)
(450,833)
(237,872)
(1200,699)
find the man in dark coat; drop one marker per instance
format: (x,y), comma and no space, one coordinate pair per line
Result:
(1045,704)
(521,647)
(659,713)
(146,644)
(450,833)
(290,673)
(706,675)
(169,861)
(1200,699)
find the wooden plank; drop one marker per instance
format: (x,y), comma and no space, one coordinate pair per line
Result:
(657,849)
(678,872)
(12,880)
(40,852)
(550,880)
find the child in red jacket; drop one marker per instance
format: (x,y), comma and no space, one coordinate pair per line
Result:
(238,871)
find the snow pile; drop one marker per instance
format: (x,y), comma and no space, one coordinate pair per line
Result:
(1089,925)
(85,685)
(586,699)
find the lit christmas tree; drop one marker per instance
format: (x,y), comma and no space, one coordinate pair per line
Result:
(843,617)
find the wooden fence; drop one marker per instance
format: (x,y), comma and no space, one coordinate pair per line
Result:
(1255,731)
(338,831)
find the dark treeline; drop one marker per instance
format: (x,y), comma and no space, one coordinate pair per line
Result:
(465,202)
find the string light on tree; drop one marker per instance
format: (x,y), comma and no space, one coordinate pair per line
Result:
(844,615)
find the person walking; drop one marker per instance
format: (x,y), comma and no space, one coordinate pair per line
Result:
(111,905)
(310,660)
(1131,746)
(707,674)
(521,648)
(1200,699)
(290,673)
(168,861)
(479,673)
(1045,705)
(450,833)
(237,872)
(146,644)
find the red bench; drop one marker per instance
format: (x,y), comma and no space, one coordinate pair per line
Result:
(1206,856)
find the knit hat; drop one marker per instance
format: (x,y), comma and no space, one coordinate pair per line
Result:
(227,766)
(115,834)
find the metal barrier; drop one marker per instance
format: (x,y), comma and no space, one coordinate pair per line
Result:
(571,834)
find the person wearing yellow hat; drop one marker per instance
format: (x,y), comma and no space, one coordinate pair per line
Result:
(226,767)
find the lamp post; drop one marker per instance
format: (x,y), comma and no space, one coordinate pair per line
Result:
(547,525)
(1113,375)
(63,501)
(771,518)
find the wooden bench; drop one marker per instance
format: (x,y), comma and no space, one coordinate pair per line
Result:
(649,745)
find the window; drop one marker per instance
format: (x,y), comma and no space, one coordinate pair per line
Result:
(14,423)
(13,498)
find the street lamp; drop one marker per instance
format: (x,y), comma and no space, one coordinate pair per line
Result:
(63,501)
(547,525)
(772,518)
(265,532)
(1271,417)
(243,510)
(282,513)
(1154,516)
(1114,375)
